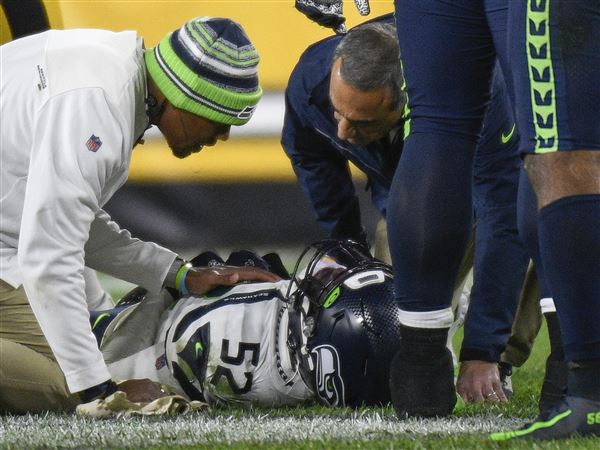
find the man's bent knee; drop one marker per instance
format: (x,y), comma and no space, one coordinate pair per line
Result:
(31,382)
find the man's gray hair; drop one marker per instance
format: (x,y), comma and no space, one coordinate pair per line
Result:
(370,59)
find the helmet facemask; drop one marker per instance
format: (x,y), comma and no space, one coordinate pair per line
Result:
(344,323)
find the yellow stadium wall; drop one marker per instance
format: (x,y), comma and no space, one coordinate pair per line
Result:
(4,30)
(277,29)
(254,169)
(279,32)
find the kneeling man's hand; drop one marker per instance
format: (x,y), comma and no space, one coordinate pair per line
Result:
(479,381)
(141,390)
(200,280)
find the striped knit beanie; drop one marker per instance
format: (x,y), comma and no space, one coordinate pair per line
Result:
(209,68)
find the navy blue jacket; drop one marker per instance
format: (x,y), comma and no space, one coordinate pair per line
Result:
(320,158)
(320,161)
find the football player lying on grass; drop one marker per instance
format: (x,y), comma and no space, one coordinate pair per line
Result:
(328,332)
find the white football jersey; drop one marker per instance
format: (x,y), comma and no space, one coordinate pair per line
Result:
(229,348)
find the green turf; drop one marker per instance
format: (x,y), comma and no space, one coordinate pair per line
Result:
(307,427)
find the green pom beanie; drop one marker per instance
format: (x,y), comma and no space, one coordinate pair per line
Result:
(209,68)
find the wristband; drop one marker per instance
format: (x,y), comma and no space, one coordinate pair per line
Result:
(100,391)
(180,279)
(172,272)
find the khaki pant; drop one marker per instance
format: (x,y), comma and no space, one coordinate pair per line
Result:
(527,323)
(528,317)
(30,378)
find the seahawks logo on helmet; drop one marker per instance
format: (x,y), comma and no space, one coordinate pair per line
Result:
(328,382)
(344,323)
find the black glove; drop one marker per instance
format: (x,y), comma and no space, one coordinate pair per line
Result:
(330,13)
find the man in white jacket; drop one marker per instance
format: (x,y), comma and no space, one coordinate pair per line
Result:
(73,105)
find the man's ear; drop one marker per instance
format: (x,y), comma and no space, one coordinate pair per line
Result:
(155,101)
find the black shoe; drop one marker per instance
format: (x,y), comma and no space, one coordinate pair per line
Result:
(276,265)
(554,387)
(133,297)
(573,416)
(505,371)
(207,259)
(246,258)
(422,387)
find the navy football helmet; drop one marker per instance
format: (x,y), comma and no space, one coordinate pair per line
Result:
(344,324)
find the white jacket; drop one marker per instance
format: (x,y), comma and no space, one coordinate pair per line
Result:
(71,110)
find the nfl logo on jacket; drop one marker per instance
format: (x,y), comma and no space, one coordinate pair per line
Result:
(93,143)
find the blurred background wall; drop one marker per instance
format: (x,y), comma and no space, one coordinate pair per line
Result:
(241,193)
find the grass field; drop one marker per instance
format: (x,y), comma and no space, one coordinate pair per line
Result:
(308,427)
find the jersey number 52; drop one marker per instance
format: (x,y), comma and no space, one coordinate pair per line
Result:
(247,353)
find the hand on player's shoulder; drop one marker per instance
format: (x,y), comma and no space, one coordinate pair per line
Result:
(200,280)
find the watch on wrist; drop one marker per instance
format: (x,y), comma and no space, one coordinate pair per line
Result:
(171,278)
(100,391)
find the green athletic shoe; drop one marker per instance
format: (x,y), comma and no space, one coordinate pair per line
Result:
(573,416)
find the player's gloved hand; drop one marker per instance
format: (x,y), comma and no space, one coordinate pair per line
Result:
(200,280)
(141,390)
(330,13)
(479,381)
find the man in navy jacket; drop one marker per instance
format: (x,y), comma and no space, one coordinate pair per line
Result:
(356,113)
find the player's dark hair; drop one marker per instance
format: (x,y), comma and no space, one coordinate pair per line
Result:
(370,59)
